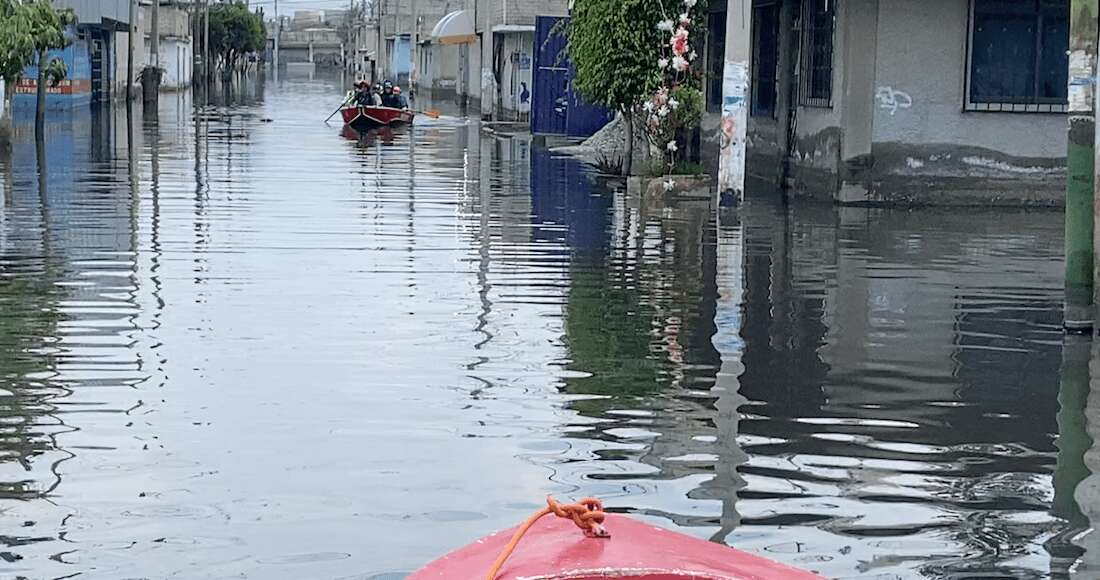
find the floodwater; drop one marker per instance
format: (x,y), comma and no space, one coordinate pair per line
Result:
(243,345)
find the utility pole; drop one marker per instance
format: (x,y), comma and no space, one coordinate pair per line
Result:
(154,38)
(735,91)
(1081,166)
(278,33)
(379,70)
(130,51)
(206,72)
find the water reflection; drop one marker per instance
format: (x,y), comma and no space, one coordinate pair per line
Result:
(255,347)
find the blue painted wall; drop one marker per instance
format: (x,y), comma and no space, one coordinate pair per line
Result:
(76,89)
(401,59)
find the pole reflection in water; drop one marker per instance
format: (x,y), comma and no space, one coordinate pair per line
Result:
(261,349)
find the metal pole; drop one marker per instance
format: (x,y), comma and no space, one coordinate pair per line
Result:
(130,50)
(1081,166)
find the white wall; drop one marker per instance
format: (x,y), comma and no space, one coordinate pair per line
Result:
(514,74)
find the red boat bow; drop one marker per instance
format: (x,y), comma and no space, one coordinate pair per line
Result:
(554,549)
(375,116)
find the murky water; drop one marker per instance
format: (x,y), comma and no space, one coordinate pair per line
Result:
(264,349)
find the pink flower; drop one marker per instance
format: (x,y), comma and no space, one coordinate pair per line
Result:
(679,42)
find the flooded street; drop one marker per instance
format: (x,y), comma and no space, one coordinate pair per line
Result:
(259,348)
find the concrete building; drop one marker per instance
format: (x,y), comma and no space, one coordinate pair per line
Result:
(482,50)
(507,32)
(897,101)
(104,26)
(176,46)
(310,39)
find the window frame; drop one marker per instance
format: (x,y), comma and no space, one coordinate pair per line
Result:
(997,107)
(806,58)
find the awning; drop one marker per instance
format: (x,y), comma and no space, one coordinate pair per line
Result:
(454,28)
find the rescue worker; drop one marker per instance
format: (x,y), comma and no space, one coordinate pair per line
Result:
(362,95)
(387,96)
(399,101)
(376,95)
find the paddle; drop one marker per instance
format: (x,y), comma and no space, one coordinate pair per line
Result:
(346,101)
(432,113)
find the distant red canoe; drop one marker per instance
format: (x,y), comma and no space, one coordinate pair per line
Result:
(554,549)
(370,117)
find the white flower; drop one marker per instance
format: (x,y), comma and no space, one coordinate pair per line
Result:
(648,106)
(663,111)
(666,25)
(662,63)
(689,3)
(674,104)
(692,56)
(685,19)
(671,146)
(669,184)
(679,63)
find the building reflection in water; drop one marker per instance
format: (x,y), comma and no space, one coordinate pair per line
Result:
(855,391)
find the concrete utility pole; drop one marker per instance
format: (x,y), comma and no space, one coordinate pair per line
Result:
(1081,166)
(735,90)
(206,72)
(378,56)
(130,50)
(278,33)
(154,38)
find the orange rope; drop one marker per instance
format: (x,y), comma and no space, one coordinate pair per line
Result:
(587,514)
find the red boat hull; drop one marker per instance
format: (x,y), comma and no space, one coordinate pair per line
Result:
(367,117)
(554,549)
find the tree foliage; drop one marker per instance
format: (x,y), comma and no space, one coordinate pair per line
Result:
(27,28)
(16,40)
(613,44)
(235,32)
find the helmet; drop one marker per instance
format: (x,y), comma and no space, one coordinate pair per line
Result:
(387,85)
(396,90)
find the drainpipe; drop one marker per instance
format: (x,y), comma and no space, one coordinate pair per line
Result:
(1080,167)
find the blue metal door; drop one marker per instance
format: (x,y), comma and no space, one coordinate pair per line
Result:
(555,108)
(549,101)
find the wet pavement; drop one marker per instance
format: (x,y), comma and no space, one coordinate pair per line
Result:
(242,344)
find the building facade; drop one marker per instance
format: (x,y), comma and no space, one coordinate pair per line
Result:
(869,101)
(176,56)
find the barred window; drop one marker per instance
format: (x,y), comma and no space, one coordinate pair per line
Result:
(1018,59)
(818,17)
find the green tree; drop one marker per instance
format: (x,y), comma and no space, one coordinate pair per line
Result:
(235,32)
(47,26)
(16,50)
(29,30)
(613,45)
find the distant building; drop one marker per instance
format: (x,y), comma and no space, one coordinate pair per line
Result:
(102,26)
(176,46)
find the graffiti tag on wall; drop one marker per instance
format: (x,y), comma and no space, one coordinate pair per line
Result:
(892,99)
